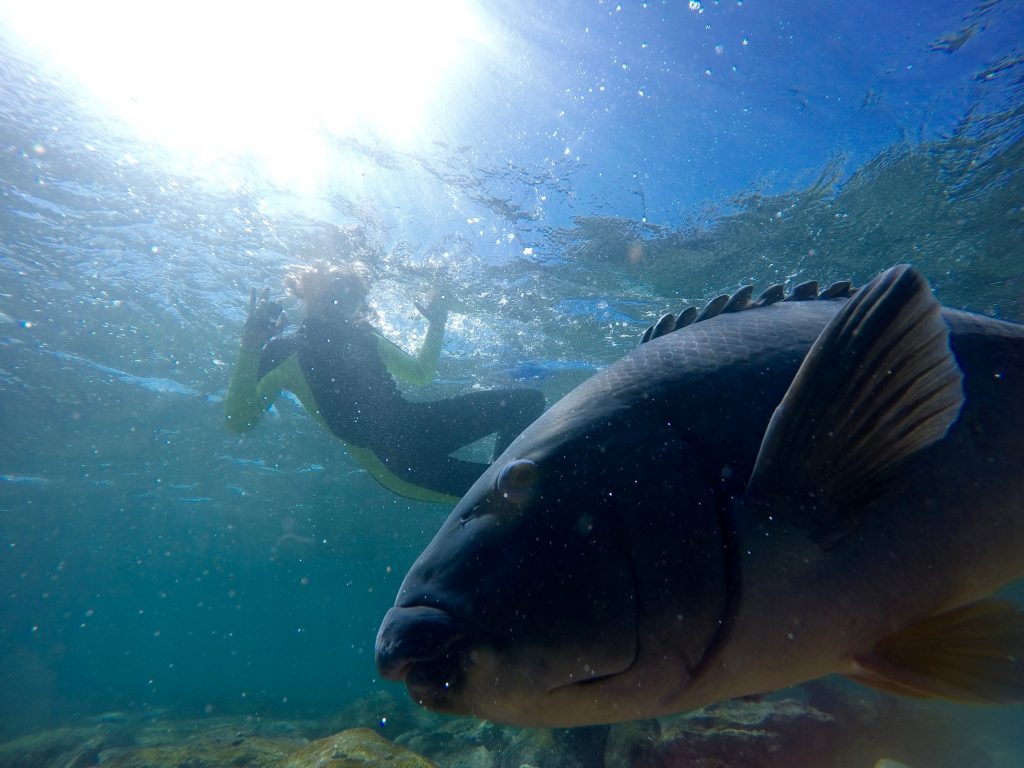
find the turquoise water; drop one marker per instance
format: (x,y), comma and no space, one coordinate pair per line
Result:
(585,167)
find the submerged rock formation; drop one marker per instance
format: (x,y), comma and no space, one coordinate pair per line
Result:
(819,725)
(220,743)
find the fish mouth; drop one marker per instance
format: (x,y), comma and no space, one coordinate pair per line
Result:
(424,648)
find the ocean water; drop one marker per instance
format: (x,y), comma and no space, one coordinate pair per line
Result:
(566,172)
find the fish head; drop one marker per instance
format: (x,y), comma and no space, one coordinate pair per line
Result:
(579,580)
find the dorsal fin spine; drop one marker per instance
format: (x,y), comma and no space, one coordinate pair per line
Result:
(741,300)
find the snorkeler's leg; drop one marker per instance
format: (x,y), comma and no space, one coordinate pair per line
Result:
(524,407)
(463,419)
(459,475)
(420,453)
(416,458)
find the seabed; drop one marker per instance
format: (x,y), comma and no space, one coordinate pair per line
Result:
(816,726)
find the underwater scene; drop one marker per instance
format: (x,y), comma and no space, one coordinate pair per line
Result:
(492,385)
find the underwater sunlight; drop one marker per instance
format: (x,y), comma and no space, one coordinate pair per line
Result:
(273,83)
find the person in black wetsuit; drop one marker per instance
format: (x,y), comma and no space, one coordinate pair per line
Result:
(343,372)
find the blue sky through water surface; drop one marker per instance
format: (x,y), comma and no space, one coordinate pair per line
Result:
(641,109)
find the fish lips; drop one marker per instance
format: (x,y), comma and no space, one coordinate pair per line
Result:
(422,646)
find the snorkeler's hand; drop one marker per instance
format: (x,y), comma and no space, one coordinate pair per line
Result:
(435,308)
(266,318)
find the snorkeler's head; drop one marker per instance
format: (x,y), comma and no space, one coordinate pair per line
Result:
(331,290)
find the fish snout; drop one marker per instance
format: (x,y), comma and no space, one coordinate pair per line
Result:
(418,645)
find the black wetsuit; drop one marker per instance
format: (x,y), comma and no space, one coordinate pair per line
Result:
(360,402)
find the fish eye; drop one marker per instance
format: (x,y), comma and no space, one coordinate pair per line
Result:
(516,479)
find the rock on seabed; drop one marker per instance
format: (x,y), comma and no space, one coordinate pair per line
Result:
(226,743)
(356,748)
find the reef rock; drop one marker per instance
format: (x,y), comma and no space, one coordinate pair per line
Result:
(356,748)
(634,745)
(469,743)
(207,743)
(819,725)
(66,747)
(557,748)
(742,734)
(385,713)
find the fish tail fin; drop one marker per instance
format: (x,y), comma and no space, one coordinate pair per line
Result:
(974,653)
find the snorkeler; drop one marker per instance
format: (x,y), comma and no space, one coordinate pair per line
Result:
(343,372)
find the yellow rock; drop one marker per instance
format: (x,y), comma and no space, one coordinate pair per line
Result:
(356,748)
(206,744)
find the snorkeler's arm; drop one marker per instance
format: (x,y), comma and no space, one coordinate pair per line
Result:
(417,370)
(250,395)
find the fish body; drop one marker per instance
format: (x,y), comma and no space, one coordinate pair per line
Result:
(758,499)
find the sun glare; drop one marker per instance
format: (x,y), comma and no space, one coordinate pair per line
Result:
(267,81)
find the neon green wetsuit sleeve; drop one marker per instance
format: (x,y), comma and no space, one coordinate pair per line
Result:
(417,370)
(249,396)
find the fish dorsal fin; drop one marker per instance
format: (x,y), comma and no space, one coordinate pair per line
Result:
(665,324)
(974,653)
(686,317)
(668,323)
(839,289)
(804,291)
(878,385)
(772,295)
(714,308)
(740,301)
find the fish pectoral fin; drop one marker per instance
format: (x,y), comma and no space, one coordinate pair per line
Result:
(974,653)
(879,384)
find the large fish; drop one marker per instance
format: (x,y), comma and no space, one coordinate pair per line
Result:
(757,499)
